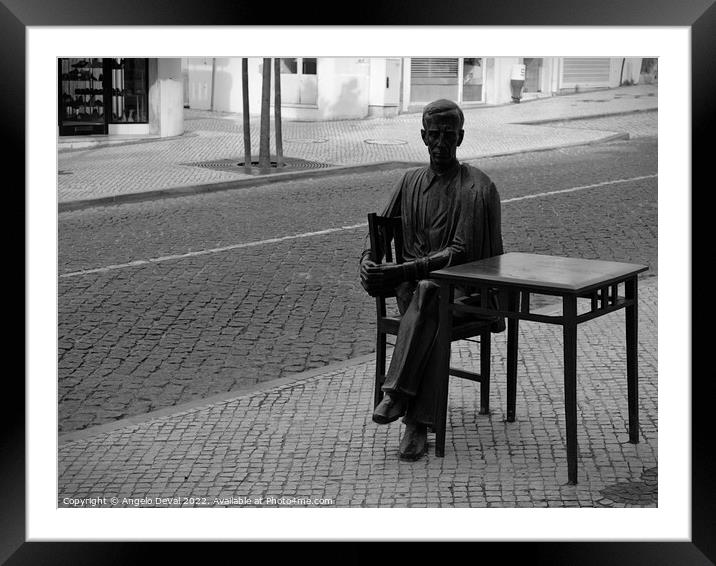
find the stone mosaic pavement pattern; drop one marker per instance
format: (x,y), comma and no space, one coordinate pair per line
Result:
(313,439)
(154,165)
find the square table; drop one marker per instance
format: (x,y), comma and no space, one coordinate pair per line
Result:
(513,276)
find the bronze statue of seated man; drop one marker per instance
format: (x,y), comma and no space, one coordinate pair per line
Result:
(450,214)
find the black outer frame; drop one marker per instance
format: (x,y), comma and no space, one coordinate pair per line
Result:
(700,15)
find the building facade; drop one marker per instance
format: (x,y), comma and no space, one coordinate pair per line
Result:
(120,96)
(340,88)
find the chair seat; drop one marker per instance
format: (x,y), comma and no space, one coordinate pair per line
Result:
(460,331)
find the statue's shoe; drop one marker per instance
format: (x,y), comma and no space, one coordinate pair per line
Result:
(414,443)
(389,410)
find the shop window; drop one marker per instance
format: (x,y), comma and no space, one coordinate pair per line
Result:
(289,66)
(472,79)
(458,79)
(309,66)
(298,80)
(129,91)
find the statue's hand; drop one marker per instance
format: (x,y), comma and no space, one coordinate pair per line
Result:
(378,279)
(370,276)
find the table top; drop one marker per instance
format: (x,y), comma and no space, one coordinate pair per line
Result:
(540,272)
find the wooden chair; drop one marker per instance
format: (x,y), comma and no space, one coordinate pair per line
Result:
(386,242)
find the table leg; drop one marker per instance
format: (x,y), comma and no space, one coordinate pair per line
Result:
(512,333)
(569,329)
(632,369)
(442,351)
(485,354)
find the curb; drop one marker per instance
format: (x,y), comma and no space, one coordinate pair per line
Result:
(118,143)
(253,182)
(206,402)
(244,183)
(585,117)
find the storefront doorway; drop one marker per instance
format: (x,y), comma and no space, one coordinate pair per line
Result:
(96,92)
(533,74)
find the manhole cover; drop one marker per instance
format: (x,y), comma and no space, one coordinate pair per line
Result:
(237,165)
(386,141)
(643,492)
(306,140)
(63,172)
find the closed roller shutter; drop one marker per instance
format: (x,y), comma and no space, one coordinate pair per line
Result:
(433,78)
(586,70)
(433,68)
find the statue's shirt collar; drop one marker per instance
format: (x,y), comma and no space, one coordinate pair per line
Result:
(432,174)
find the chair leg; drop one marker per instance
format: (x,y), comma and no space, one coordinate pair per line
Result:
(485,338)
(379,368)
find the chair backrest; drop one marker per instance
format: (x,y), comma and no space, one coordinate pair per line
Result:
(386,237)
(386,243)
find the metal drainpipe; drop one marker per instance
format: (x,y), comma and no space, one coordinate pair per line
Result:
(213,74)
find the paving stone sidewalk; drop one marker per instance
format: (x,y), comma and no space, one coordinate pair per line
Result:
(155,165)
(311,441)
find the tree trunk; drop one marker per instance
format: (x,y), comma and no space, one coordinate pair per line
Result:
(277,112)
(265,139)
(247,121)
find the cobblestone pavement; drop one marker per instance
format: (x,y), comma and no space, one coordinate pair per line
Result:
(313,439)
(148,336)
(154,165)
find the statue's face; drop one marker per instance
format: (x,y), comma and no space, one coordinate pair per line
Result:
(442,135)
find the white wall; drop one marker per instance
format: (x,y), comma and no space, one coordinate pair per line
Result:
(171,97)
(166,98)
(199,72)
(343,87)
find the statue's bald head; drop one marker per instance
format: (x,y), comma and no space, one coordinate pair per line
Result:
(445,109)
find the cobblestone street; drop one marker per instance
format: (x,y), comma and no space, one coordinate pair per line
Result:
(141,337)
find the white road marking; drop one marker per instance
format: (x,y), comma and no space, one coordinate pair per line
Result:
(209,251)
(573,189)
(197,253)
